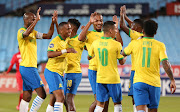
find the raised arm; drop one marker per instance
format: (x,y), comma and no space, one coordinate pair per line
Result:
(82,35)
(118,36)
(167,68)
(31,27)
(126,17)
(123,25)
(51,29)
(52,54)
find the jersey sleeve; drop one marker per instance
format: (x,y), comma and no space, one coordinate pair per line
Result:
(52,46)
(129,48)
(162,53)
(134,34)
(119,56)
(91,51)
(20,33)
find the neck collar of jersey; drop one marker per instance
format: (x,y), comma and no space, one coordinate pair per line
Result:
(148,37)
(106,37)
(96,31)
(24,27)
(74,36)
(60,37)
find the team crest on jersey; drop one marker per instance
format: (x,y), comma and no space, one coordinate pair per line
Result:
(51,45)
(21,31)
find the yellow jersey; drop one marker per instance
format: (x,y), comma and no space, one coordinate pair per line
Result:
(57,64)
(148,53)
(73,59)
(134,36)
(91,37)
(107,51)
(28,48)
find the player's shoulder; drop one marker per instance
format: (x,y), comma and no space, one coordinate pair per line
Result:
(22,29)
(159,42)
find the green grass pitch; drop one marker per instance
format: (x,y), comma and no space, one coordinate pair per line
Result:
(8,102)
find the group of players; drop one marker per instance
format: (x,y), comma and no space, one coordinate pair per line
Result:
(104,45)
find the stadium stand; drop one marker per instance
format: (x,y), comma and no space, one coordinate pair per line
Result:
(154,4)
(167,33)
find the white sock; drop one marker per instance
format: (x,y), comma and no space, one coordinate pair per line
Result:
(71,111)
(118,108)
(58,107)
(50,108)
(140,111)
(134,108)
(146,109)
(98,109)
(36,104)
(23,106)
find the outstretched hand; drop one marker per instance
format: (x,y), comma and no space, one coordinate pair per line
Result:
(37,14)
(116,20)
(92,17)
(55,17)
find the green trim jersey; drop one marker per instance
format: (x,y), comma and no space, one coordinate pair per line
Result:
(28,48)
(57,64)
(148,53)
(91,37)
(107,51)
(134,36)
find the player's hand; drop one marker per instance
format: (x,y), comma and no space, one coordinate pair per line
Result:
(92,17)
(116,20)
(82,27)
(71,50)
(121,11)
(54,17)
(124,9)
(37,14)
(173,86)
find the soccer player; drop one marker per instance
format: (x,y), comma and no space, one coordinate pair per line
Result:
(107,51)
(73,73)
(53,73)
(135,32)
(16,59)
(26,37)
(89,36)
(148,53)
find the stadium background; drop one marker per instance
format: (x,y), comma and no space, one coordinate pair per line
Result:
(165,12)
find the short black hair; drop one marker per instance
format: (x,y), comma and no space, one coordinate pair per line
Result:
(139,22)
(150,27)
(75,22)
(108,25)
(62,24)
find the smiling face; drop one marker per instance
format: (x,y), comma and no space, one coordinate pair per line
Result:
(98,22)
(65,30)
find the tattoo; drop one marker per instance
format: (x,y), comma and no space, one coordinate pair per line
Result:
(167,68)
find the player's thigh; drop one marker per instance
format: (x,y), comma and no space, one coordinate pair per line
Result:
(154,96)
(31,78)
(102,94)
(71,82)
(115,92)
(130,92)
(54,80)
(141,94)
(92,79)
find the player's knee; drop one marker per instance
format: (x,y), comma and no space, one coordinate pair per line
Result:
(27,98)
(42,95)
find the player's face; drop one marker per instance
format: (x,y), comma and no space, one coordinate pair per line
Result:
(31,19)
(114,31)
(136,27)
(66,30)
(98,22)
